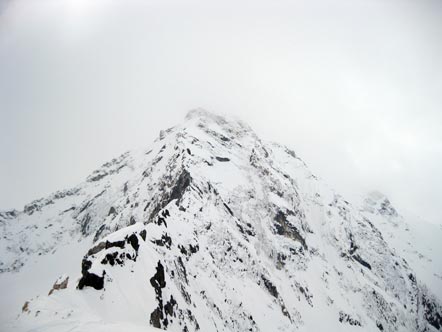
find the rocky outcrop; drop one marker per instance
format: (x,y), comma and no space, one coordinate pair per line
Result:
(90,279)
(60,283)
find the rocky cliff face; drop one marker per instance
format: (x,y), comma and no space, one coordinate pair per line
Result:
(213,229)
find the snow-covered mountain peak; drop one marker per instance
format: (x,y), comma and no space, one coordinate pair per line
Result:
(212,229)
(376,202)
(205,117)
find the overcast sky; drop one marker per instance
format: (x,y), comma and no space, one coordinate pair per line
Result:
(353,86)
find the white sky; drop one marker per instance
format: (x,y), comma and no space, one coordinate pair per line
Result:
(353,86)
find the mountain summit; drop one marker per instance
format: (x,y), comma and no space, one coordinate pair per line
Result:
(210,229)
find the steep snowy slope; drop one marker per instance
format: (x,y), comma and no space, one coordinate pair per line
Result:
(417,241)
(209,229)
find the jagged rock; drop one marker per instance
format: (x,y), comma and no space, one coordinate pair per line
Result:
(143,234)
(283,227)
(133,240)
(60,283)
(177,190)
(112,211)
(222,159)
(90,279)
(25,307)
(346,318)
(94,250)
(361,261)
(165,240)
(270,287)
(158,282)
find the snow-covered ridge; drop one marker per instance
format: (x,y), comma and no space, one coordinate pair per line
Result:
(212,229)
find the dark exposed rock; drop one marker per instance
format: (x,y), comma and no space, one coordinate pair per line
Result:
(158,282)
(246,230)
(96,249)
(358,259)
(386,315)
(178,189)
(249,230)
(222,159)
(84,224)
(5,215)
(291,153)
(168,308)
(38,204)
(132,220)
(85,265)
(112,211)
(180,186)
(119,244)
(379,326)
(25,307)
(241,229)
(353,246)
(133,240)
(185,294)
(280,260)
(284,311)
(183,250)
(156,317)
(115,258)
(193,319)
(307,295)
(165,240)
(99,232)
(432,311)
(59,284)
(160,221)
(143,234)
(156,161)
(228,208)
(181,269)
(194,249)
(346,318)
(72,208)
(31,208)
(285,228)
(97,176)
(270,287)
(90,279)
(110,259)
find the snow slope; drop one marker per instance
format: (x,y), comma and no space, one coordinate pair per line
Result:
(212,229)
(417,241)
